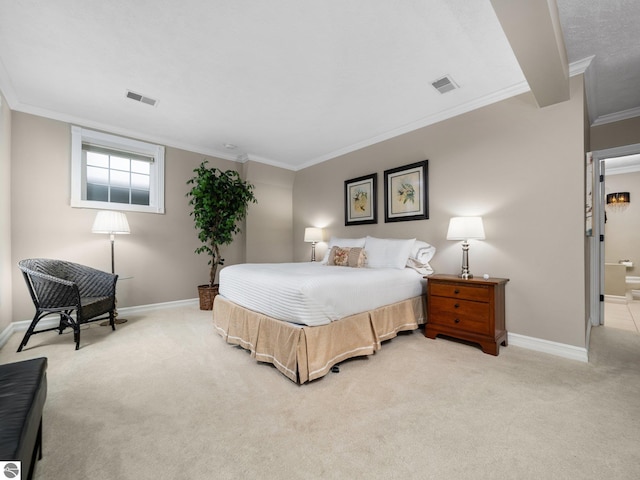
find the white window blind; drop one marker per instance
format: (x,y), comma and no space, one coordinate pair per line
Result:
(116,172)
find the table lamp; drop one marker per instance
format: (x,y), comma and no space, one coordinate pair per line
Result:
(465,228)
(313,235)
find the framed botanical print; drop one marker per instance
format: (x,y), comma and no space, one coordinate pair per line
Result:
(406,192)
(360,200)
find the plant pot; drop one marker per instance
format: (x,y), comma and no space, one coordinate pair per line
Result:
(206,294)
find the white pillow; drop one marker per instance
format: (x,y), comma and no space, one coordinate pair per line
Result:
(422,252)
(342,242)
(387,252)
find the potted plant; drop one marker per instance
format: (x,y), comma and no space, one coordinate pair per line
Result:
(219,203)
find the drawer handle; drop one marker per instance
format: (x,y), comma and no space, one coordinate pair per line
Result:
(457,305)
(457,320)
(456,291)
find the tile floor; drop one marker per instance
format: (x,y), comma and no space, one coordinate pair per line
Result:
(625,316)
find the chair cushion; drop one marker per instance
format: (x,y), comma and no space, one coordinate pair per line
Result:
(23,390)
(94,306)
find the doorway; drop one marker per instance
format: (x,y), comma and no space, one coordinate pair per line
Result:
(615,244)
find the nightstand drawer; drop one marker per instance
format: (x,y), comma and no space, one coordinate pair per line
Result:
(478,293)
(461,314)
(469,309)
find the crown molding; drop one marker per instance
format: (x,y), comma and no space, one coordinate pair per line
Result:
(495,97)
(268,161)
(74,120)
(6,87)
(616,117)
(575,68)
(580,66)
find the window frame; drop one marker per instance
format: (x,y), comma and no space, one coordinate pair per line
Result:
(81,135)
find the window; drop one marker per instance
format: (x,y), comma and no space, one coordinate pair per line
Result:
(111,172)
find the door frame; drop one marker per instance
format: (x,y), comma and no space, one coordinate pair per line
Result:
(596,247)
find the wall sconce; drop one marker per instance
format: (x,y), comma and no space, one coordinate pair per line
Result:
(465,228)
(619,199)
(313,235)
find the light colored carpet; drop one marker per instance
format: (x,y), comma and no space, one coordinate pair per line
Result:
(164,397)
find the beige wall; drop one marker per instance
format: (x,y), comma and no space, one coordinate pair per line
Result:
(157,261)
(492,162)
(6,265)
(622,230)
(614,279)
(521,168)
(615,134)
(269,222)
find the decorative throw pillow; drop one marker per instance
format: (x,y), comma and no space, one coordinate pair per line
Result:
(347,257)
(342,242)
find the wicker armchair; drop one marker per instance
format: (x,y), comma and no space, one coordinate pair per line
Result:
(62,288)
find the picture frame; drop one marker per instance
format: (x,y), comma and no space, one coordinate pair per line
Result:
(361,200)
(406,192)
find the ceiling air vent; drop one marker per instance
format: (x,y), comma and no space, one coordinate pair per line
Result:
(444,84)
(141,98)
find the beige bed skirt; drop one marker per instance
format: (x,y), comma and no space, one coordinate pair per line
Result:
(305,353)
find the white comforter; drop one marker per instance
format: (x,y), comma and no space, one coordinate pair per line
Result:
(315,294)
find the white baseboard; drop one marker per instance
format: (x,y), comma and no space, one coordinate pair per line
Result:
(531,343)
(53,320)
(5,335)
(156,306)
(615,299)
(545,346)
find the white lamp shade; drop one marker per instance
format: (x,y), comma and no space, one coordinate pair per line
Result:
(312,234)
(110,222)
(464,228)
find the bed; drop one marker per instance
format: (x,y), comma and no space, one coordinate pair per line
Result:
(306,317)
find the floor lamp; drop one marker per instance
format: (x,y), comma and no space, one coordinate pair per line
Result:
(112,223)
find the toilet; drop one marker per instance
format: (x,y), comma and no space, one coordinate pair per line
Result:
(632,283)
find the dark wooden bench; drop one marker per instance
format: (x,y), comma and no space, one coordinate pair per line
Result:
(23,390)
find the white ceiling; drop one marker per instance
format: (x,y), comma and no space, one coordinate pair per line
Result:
(288,82)
(624,164)
(609,30)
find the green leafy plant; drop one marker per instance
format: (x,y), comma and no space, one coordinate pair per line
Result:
(219,201)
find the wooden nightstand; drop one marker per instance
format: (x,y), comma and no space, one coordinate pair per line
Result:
(471,310)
